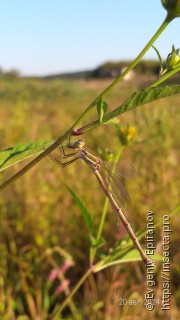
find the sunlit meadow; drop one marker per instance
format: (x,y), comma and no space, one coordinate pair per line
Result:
(42,229)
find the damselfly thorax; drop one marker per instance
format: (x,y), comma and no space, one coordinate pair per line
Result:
(92,161)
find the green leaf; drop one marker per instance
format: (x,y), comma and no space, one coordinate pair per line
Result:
(85,213)
(102,107)
(160,59)
(112,121)
(131,256)
(142,97)
(97,243)
(12,155)
(46,300)
(158,54)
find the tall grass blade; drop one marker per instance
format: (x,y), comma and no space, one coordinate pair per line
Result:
(85,213)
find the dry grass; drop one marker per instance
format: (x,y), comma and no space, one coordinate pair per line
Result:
(37,212)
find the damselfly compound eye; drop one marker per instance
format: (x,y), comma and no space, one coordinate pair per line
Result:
(79,144)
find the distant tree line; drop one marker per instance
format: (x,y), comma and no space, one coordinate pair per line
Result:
(10,75)
(108,69)
(111,68)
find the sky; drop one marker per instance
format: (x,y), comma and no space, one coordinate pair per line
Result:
(41,37)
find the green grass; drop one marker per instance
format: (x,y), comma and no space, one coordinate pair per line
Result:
(40,223)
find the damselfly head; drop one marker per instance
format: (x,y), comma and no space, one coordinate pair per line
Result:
(79,144)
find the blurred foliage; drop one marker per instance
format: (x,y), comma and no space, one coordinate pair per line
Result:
(145,67)
(10,75)
(41,225)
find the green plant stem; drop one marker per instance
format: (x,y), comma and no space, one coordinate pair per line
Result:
(66,301)
(101,225)
(129,68)
(165,77)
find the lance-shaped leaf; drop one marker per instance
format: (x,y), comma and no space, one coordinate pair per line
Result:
(12,155)
(130,256)
(142,97)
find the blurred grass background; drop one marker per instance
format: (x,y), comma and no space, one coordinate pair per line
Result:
(39,216)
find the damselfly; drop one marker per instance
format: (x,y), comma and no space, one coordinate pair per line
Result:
(103,171)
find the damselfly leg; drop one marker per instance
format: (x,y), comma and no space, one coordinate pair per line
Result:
(64,156)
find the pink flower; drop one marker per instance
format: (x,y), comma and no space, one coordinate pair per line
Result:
(65,266)
(55,272)
(53,275)
(62,286)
